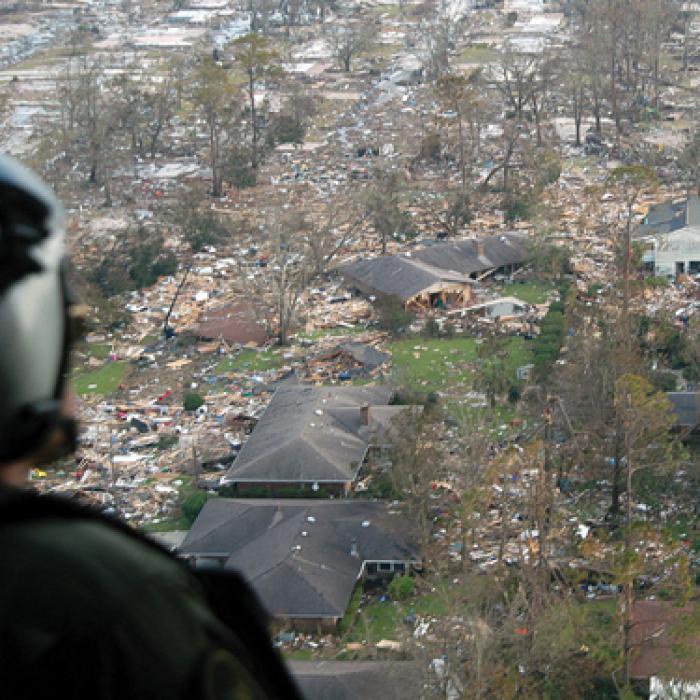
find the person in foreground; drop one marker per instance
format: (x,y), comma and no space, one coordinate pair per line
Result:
(88,607)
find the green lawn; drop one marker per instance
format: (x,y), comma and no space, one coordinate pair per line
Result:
(379,620)
(251,361)
(529,292)
(477,54)
(104,380)
(448,364)
(339,331)
(299,654)
(98,350)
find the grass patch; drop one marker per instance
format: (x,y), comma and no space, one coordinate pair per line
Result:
(99,350)
(299,654)
(251,361)
(167,525)
(433,364)
(529,292)
(338,331)
(392,11)
(446,364)
(104,380)
(384,620)
(477,54)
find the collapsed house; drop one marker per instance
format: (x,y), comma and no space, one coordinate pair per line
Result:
(438,275)
(303,558)
(314,437)
(350,360)
(236,324)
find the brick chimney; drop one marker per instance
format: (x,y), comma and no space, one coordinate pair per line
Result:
(364,414)
(479,246)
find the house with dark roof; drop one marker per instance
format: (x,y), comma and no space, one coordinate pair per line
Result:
(303,558)
(671,216)
(314,436)
(686,409)
(358,680)
(672,231)
(437,275)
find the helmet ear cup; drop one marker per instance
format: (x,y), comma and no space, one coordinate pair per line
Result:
(36,329)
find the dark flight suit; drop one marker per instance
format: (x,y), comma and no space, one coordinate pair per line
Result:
(89,609)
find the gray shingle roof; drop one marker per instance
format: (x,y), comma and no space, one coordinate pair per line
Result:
(463,256)
(308,434)
(397,275)
(297,575)
(686,407)
(405,277)
(358,680)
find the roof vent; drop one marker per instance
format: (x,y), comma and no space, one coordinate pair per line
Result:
(365,523)
(311,519)
(296,548)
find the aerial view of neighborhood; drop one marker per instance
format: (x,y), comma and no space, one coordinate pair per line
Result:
(393,308)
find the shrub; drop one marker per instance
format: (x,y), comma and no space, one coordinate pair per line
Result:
(392,316)
(192,505)
(515,209)
(431,329)
(193,401)
(657,281)
(514,393)
(402,587)
(664,381)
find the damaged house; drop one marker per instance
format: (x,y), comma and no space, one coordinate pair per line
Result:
(303,558)
(672,232)
(438,275)
(314,437)
(236,324)
(348,360)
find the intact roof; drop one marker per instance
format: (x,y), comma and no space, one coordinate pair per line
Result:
(686,407)
(236,324)
(405,277)
(358,680)
(308,434)
(296,553)
(663,641)
(671,215)
(678,240)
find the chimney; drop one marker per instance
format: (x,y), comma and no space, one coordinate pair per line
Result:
(364,414)
(354,549)
(479,246)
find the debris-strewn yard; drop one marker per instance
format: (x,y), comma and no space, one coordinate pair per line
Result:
(102,381)
(451,365)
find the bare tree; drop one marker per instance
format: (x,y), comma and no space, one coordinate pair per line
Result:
(348,38)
